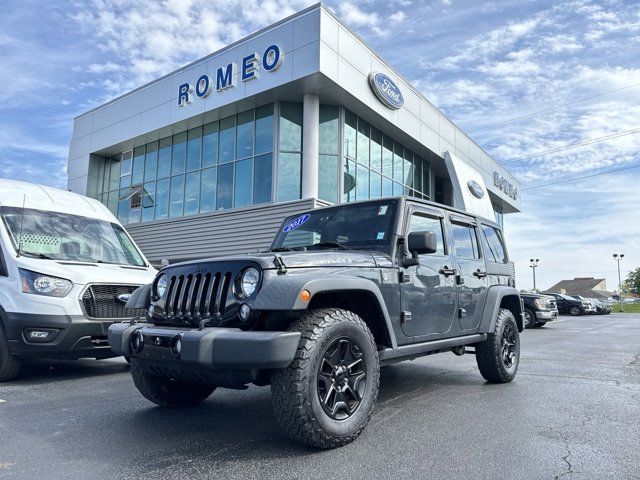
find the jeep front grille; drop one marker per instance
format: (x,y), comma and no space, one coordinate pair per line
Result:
(100,301)
(196,296)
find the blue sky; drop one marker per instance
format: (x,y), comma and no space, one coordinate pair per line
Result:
(484,64)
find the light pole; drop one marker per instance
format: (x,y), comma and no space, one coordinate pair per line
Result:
(533,263)
(618,257)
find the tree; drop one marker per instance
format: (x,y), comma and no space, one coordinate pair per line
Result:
(632,283)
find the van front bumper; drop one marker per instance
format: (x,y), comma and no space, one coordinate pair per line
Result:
(209,348)
(72,336)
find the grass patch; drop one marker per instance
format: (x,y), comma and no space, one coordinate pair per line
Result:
(628,308)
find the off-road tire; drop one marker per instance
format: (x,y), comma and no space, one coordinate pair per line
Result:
(490,352)
(295,390)
(167,392)
(532,316)
(9,365)
(575,311)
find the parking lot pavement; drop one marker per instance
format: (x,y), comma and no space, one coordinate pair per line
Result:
(573,411)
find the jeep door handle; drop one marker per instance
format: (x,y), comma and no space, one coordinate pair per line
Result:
(480,274)
(446,271)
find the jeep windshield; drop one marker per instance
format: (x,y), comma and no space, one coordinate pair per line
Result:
(362,226)
(59,236)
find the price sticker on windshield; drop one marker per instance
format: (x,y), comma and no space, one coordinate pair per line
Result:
(296,223)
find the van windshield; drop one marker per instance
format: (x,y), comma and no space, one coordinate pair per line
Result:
(60,236)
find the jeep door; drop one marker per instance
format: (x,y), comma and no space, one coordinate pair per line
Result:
(428,293)
(471,270)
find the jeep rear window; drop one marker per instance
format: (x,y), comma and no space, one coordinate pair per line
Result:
(494,250)
(364,226)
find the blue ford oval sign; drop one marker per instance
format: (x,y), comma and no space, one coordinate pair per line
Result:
(293,224)
(475,188)
(386,90)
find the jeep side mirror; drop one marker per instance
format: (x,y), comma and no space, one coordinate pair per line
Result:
(422,243)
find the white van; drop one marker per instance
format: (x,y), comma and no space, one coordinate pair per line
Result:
(67,268)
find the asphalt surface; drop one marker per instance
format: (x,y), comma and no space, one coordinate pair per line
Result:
(573,411)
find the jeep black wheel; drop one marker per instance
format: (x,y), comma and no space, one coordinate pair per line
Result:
(326,396)
(167,392)
(9,365)
(575,311)
(499,355)
(529,318)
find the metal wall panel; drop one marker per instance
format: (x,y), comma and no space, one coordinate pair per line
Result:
(229,232)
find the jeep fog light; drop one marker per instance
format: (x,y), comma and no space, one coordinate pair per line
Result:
(245,312)
(176,345)
(137,341)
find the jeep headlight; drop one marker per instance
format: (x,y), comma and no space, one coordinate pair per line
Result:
(47,285)
(249,281)
(161,285)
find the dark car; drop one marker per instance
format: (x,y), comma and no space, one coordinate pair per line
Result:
(569,305)
(538,309)
(341,291)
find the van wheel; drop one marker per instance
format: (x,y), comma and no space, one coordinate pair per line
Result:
(326,396)
(9,365)
(167,392)
(499,355)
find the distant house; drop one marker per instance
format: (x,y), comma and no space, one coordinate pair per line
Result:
(584,286)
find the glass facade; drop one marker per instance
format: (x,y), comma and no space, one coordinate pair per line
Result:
(255,157)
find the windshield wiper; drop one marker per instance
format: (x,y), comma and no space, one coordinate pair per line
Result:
(282,249)
(41,256)
(330,245)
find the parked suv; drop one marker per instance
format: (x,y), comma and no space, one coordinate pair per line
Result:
(570,305)
(538,309)
(341,291)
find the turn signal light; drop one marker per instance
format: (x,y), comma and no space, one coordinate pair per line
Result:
(305,295)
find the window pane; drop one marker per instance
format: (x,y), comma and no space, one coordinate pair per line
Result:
(349,134)
(227,139)
(151,162)
(329,129)
(376,149)
(362,184)
(123,206)
(376,185)
(177,196)
(408,167)
(148,201)
(210,145)
(398,189)
(465,240)
(289,166)
(192,193)
(494,246)
(397,162)
(328,177)
(417,173)
(112,202)
(114,178)
(208,190)
(193,149)
(138,166)
(244,138)
(263,169)
(423,223)
(387,157)
(426,180)
(162,198)
(387,187)
(164,157)
(224,191)
(125,181)
(126,163)
(264,129)
(363,142)
(291,127)
(349,194)
(244,183)
(179,153)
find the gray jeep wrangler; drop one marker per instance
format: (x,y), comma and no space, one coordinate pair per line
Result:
(342,291)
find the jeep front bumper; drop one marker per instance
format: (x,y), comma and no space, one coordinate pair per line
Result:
(210,348)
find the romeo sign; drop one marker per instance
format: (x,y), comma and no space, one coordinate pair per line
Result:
(250,66)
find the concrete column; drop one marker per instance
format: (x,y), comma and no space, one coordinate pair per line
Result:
(310,136)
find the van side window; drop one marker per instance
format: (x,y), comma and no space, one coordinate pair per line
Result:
(495,245)
(425,223)
(466,241)
(3,265)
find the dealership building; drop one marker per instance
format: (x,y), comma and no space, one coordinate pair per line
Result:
(209,159)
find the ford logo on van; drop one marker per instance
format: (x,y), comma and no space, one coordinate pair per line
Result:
(386,90)
(475,188)
(123,297)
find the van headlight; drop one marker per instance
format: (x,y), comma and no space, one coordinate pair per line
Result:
(249,280)
(47,285)
(161,285)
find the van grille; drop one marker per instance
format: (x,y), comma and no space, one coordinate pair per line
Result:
(100,301)
(196,296)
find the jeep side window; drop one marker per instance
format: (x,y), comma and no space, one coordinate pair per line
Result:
(495,245)
(425,223)
(465,240)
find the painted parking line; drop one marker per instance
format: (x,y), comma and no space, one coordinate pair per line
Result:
(3,401)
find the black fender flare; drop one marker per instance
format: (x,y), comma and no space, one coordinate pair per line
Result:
(495,295)
(283,293)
